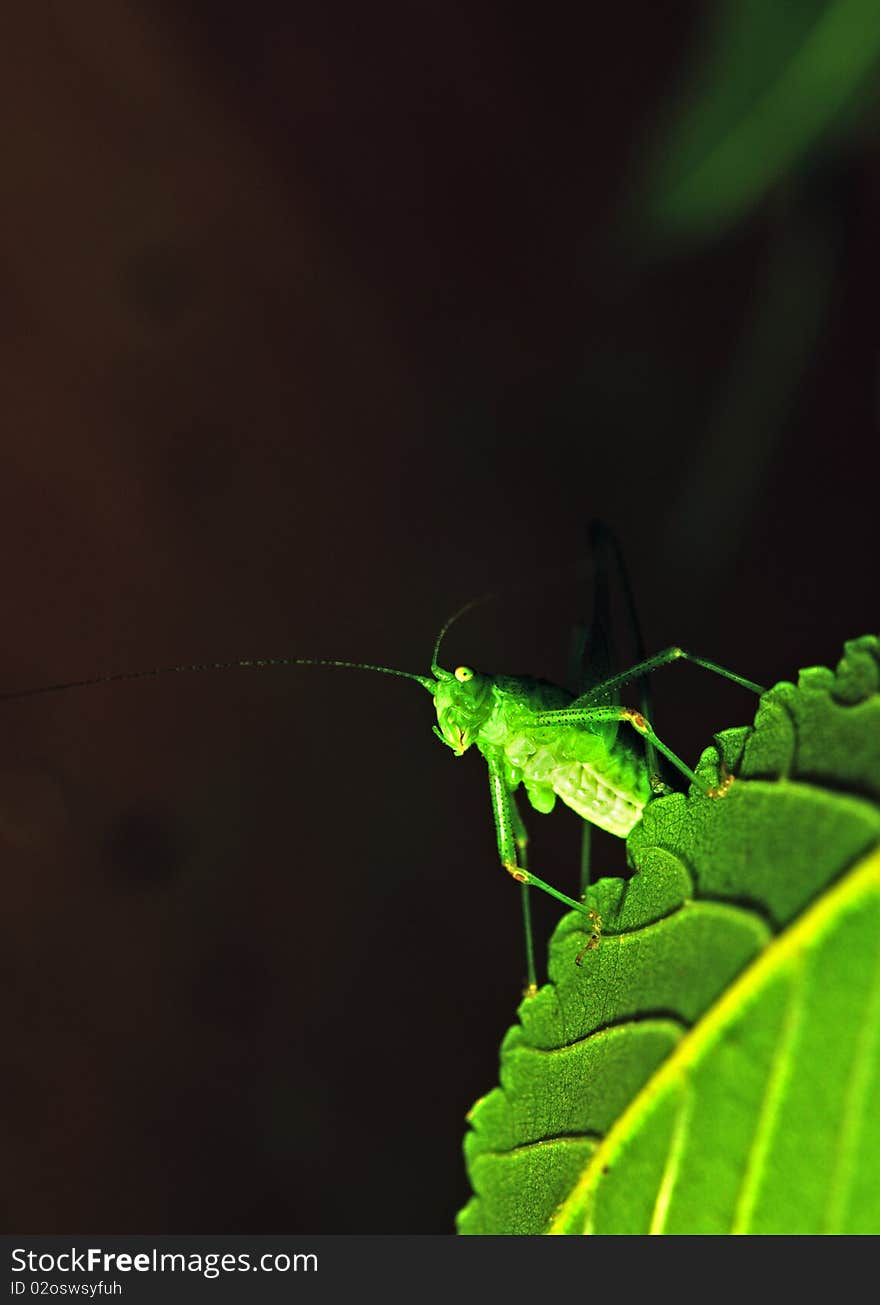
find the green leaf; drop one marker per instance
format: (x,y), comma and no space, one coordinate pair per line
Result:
(773,81)
(713,1066)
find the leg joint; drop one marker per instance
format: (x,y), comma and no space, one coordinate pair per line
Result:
(636,719)
(515,872)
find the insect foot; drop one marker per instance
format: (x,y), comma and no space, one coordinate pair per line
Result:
(724,785)
(593,940)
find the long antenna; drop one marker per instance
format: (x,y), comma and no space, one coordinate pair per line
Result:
(437,670)
(555,574)
(254,663)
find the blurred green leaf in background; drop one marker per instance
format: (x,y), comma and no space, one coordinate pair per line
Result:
(773,83)
(776,100)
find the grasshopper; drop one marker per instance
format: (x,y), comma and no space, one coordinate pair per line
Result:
(534,735)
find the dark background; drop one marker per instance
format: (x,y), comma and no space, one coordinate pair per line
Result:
(314,325)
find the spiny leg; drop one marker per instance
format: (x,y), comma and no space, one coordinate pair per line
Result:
(665,658)
(502,811)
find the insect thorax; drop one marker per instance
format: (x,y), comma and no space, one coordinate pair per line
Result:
(587,767)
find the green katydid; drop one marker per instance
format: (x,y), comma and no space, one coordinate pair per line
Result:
(553,743)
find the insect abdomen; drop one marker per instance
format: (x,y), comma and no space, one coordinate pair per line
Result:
(607,786)
(595,798)
(587,769)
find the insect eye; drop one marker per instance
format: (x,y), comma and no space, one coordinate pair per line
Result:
(463,674)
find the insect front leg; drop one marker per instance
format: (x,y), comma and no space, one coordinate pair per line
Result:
(521,838)
(520,833)
(505,830)
(593,940)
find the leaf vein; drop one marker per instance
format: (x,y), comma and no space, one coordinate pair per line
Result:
(672,1166)
(854,1108)
(769,1112)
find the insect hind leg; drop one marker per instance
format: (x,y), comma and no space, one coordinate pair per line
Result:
(589,701)
(668,657)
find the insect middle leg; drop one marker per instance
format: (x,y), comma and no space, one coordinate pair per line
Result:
(579,715)
(586,708)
